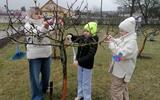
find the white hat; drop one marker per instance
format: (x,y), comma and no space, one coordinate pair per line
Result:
(128,25)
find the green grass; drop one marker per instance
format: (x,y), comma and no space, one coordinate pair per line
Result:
(145,83)
(4,26)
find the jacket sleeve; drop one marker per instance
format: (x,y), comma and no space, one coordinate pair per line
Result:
(27,28)
(126,51)
(91,53)
(76,39)
(42,30)
(113,45)
(36,29)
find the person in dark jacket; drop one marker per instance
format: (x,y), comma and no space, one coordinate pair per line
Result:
(85,58)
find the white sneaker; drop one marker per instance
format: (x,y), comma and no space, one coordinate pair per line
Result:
(78,98)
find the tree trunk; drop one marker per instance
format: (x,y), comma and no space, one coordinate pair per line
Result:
(132,7)
(146,19)
(142,48)
(63,56)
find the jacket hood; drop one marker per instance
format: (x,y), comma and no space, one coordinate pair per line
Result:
(91,27)
(128,25)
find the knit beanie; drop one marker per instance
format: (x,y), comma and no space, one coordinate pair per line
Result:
(91,27)
(128,25)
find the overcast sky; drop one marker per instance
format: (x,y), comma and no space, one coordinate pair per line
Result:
(93,4)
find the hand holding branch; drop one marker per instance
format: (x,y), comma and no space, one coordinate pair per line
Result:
(107,38)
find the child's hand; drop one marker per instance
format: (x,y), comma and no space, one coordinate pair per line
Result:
(68,38)
(50,22)
(108,38)
(46,25)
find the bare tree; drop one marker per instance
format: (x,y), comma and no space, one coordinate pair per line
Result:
(145,6)
(147,33)
(128,3)
(155,12)
(55,42)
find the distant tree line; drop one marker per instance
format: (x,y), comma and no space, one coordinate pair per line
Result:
(147,8)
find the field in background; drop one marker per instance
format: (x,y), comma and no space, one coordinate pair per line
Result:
(145,83)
